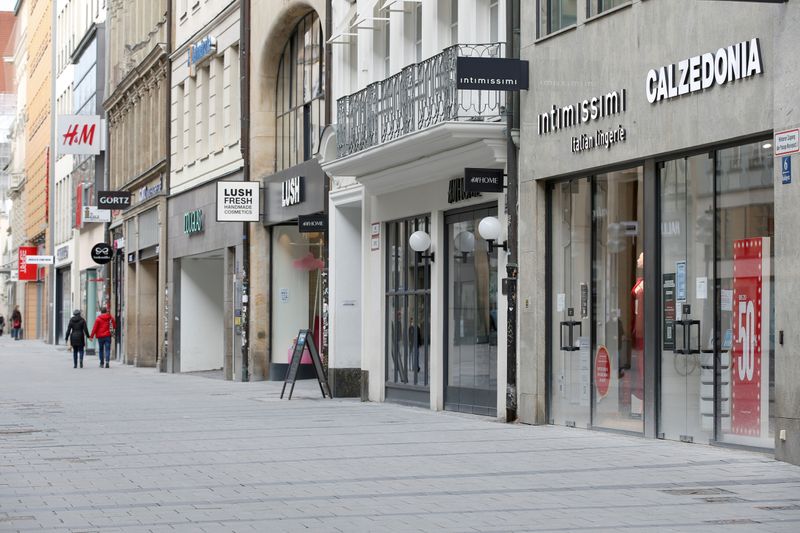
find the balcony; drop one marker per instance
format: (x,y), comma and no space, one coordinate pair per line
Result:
(420,96)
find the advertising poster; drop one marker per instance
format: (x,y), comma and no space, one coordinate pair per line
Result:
(750,351)
(668,301)
(602,372)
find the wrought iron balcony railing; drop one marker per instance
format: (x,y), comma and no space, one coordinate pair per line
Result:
(419,96)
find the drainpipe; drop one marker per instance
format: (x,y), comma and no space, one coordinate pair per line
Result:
(244,143)
(512,204)
(163,364)
(49,300)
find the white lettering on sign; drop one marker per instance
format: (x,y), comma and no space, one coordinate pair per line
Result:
(701,72)
(582,112)
(292,191)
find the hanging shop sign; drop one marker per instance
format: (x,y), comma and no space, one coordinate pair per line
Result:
(40,259)
(199,52)
(113,200)
(238,201)
(602,371)
(102,253)
(79,134)
(457,191)
(312,223)
(91,213)
(27,272)
(698,73)
(491,73)
(193,222)
(787,142)
(483,179)
(749,366)
(294,192)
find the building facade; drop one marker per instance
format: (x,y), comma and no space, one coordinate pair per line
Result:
(656,250)
(204,256)
(136,105)
(415,295)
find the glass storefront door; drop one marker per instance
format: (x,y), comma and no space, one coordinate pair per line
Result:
(597,301)
(471,322)
(717,311)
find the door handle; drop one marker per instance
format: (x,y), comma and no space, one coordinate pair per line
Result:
(686,333)
(569,325)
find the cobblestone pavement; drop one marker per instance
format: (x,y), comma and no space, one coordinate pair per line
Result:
(128,449)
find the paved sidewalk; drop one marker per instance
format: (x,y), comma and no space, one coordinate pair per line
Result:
(128,449)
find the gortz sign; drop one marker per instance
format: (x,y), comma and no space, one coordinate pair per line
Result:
(698,73)
(193,222)
(238,201)
(79,134)
(113,199)
(292,191)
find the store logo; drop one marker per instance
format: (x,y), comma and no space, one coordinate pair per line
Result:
(698,73)
(292,191)
(193,222)
(201,50)
(145,193)
(457,191)
(583,112)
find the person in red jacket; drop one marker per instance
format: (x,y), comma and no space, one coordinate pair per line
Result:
(103,329)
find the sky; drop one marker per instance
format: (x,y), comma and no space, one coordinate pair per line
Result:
(7,5)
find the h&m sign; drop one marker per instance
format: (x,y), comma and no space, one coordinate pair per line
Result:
(79,135)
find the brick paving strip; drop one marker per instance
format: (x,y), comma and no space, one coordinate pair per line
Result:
(128,449)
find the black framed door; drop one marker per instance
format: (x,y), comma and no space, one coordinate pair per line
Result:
(471,320)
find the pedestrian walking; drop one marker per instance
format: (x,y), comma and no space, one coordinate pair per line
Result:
(2,325)
(103,330)
(76,335)
(16,324)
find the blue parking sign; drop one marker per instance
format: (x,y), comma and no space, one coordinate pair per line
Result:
(786,169)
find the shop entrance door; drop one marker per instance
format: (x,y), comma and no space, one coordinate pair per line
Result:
(597,301)
(687,305)
(471,322)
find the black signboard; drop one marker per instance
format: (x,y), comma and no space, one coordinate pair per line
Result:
(491,73)
(668,301)
(483,179)
(305,339)
(102,253)
(113,199)
(312,223)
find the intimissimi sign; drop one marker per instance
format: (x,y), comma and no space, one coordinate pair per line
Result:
(583,112)
(701,72)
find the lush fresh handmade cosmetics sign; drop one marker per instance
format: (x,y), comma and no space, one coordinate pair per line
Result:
(238,201)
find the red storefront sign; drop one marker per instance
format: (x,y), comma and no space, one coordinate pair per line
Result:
(749,369)
(602,371)
(26,272)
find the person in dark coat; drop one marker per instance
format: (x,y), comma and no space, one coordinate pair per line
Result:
(2,325)
(16,324)
(76,336)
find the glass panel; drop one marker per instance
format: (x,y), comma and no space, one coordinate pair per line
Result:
(744,237)
(557,14)
(598,6)
(618,305)
(687,307)
(571,303)
(472,320)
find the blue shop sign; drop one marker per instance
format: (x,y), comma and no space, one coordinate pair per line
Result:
(201,50)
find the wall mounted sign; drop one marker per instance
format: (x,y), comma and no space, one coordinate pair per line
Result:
(292,193)
(79,134)
(113,200)
(749,366)
(193,222)
(312,223)
(102,253)
(94,214)
(40,259)
(131,257)
(786,169)
(200,51)
(238,201)
(701,72)
(457,191)
(787,142)
(62,252)
(375,237)
(150,191)
(583,112)
(26,272)
(483,179)
(491,73)
(668,301)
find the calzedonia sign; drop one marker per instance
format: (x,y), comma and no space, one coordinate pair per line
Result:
(701,72)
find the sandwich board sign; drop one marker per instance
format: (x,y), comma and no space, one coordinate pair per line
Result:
(305,339)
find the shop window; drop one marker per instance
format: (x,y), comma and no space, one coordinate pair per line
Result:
(297,285)
(555,15)
(408,282)
(599,6)
(300,94)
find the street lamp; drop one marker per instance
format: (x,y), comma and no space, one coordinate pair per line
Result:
(419,242)
(490,229)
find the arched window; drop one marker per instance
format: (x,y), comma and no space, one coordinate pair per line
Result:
(300,98)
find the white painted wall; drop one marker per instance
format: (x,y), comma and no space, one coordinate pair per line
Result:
(201,314)
(345,268)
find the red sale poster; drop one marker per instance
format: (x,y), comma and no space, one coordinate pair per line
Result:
(26,272)
(749,361)
(602,371)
